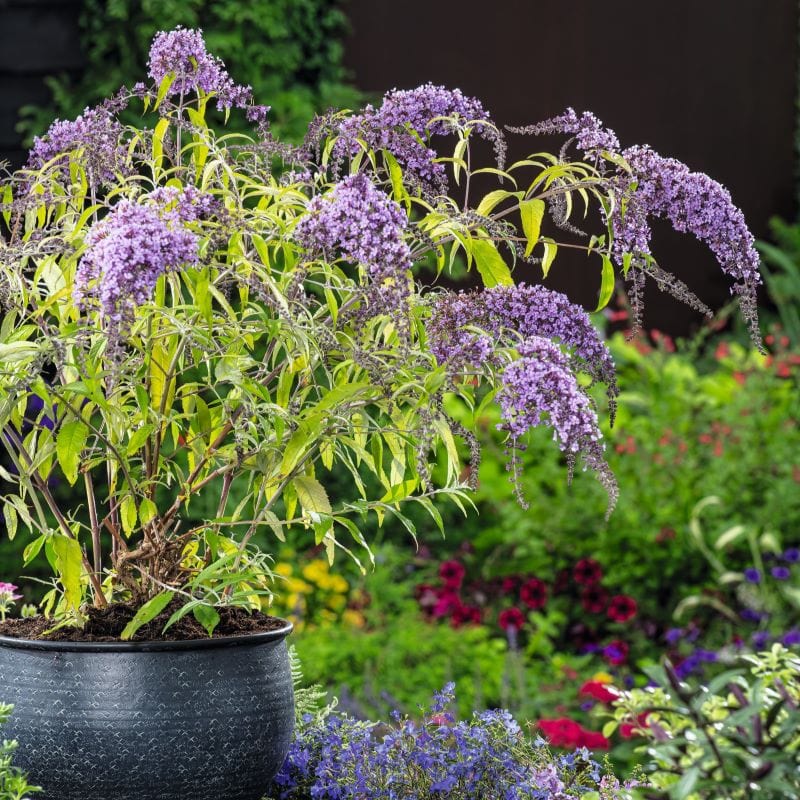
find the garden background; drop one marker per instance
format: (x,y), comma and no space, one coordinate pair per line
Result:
(536,610)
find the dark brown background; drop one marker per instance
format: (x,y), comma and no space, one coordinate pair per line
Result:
(712,82)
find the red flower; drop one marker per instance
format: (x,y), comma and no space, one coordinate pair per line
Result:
(447,603)
(594,599)
(464,615)
(565,732)
(561,732)
(511,618)
(509,584)
(616,652)
(533,593)
(627,730)
(622,608)
(587,572)
(452,573)
(599,691)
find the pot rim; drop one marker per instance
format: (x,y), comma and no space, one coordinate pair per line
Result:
(150,646)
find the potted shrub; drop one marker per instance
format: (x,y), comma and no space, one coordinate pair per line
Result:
(199,328)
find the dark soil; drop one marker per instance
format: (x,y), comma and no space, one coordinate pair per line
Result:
(106,625)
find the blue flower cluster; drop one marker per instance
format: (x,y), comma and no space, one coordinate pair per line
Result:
(338,758)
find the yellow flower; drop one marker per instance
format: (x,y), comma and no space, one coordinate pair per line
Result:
(316,570)
(602,677)
(336,602)
(353,618)
(283,569)
(339,584)
(296,585)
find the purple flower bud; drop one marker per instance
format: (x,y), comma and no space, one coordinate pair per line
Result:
(752,575)
(781,573)
(792,555)
(760,639)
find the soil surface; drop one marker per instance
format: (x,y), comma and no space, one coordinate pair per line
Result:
(106,625)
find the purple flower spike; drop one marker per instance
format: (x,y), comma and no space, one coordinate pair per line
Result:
(182,52)
(125,255)
(792,555)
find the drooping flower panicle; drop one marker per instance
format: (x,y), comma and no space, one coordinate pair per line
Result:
(655,187)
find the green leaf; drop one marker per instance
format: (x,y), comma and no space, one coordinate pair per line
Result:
(138,438)
(491,200)
(10,515)
(207,616)
(491,266)
(158,139)
(550,250)
(532,213)
(32,550)
(606,284)
(69,444)
(148,511)
(312,496)
(69,565)
(683,788)
(127,514)
(149,611)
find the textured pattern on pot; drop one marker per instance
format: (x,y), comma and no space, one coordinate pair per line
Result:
(197,720)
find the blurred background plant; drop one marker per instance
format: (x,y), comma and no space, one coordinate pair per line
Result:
(735,738)
(289,51)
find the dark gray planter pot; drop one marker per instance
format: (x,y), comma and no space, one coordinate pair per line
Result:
(198,720)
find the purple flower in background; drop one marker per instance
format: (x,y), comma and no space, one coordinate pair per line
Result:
(673,635)
(752,575)
(182,52)
(125,254)
(96,133)
(404,122)
(791,638)
(751,615)
(781,573)
(760,640)
(792,555)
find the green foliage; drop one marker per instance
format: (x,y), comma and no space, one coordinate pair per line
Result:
(391,667)
(725,427)
(13,782)
(781,270)
(289,51)
(736,738)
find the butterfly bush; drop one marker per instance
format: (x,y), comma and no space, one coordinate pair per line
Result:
(335,757)
(210,326)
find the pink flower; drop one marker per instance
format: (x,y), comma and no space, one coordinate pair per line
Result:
(7,592)
(452,573)
(511,618)
(534,593)
(599,691)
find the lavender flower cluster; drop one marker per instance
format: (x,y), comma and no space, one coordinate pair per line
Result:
(126,252)
(403,124)
(186,204)
(360,223)
(665,188)
(96,133)
(467,330)
(338,758)
(182,53)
